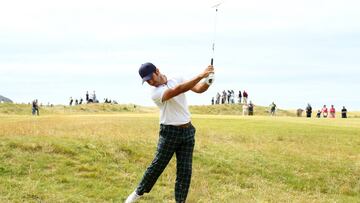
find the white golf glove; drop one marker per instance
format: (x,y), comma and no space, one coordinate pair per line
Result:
(210,79)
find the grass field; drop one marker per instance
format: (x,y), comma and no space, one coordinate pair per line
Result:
(97,157)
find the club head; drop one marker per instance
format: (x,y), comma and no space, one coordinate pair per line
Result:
(217,5)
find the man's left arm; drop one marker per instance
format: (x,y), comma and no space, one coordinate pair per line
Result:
(200,87)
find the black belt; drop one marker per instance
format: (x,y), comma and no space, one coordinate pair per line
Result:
(186,125)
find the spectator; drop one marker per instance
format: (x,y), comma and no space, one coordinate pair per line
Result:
(324,111)
(212,101)
(35,108)
(332,112)
(245,97)
(223,99)
(299,112)
(87,96)
(251,108)
(218,96)
(343,112)
(107,101)
(245,109)
(318,114)
(232,97)
(81,100)
(228,96)
(76,102)
(239,96)
(71,101)
(308,111)
(272,109)
(94,97)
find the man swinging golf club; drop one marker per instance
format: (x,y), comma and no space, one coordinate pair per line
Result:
(177,134)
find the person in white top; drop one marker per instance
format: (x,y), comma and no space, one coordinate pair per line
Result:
(245,109)
(177,134)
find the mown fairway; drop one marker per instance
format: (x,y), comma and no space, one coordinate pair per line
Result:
(101,158)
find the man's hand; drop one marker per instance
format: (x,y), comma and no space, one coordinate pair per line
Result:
(207,71)
(203,86)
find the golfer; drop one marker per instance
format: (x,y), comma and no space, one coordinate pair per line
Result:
(177,134)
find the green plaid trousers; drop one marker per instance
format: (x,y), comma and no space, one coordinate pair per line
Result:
(172,140)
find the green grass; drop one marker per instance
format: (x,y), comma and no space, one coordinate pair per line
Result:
(25,109)
(101,158)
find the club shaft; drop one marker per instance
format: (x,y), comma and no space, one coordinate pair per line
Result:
(214,37)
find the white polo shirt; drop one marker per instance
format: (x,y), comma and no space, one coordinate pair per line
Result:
(174,111)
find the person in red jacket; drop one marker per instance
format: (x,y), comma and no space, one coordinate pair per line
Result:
(245,97)
(324,111)
(332,112)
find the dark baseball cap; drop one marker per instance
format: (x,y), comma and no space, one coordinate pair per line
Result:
(146,70)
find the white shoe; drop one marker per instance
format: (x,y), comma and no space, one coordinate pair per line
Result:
(132,197)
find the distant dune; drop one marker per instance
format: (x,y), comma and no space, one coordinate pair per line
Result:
(4,99)
(225,109)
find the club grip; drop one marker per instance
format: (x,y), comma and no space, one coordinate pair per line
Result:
(212,61)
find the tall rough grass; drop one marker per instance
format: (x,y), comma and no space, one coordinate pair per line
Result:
(101,158)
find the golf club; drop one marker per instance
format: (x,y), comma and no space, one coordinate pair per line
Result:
(211,78)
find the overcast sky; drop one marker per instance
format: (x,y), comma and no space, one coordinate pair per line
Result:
(289,52)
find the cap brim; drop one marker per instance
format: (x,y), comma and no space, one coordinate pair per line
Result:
(146,78)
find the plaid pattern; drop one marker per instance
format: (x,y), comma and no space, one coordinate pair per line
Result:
(172,140)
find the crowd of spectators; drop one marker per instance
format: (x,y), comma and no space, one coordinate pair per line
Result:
(89,99)
(228,97)
(324,112)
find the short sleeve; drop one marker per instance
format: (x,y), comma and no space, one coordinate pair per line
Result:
(157,95)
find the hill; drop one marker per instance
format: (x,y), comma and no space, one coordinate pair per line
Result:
(25,109)
(235,109)
(4,99)
(101,108)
